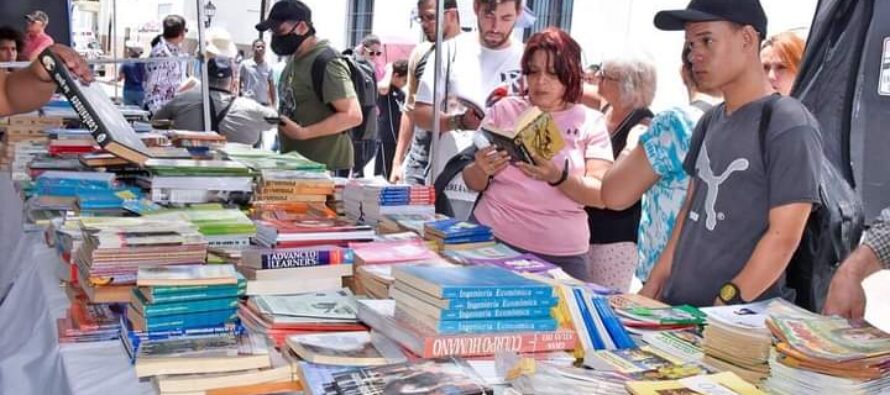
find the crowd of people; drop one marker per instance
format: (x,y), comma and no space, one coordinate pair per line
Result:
(687,202)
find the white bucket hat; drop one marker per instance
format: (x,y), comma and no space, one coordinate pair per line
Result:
(218,42)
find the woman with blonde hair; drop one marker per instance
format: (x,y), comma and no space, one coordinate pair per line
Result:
(781,56)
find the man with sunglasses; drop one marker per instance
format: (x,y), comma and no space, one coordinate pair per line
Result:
(256,76)
(314,128)
(411,157)
(164,79)
(371,50)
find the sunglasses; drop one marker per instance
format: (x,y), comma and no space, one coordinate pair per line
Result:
(375,53)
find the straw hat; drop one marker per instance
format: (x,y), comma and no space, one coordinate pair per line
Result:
(218,42)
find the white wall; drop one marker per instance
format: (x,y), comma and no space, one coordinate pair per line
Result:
(604,27)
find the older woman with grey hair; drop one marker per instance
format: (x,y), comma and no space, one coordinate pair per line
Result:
(627,84)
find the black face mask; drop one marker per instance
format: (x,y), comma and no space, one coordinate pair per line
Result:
(287,44)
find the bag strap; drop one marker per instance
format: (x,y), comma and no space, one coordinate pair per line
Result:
(634,118)
(319,67)
(216,119)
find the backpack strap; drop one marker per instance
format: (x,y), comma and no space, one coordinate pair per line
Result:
(319,67)
(216,119)
(766,116)
(627,124)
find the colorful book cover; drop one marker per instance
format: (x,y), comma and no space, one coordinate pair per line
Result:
(469,282)
(452,228)
(407,314)
(726,383)
(195,306)
(181,321)
(394,252)
(402,291)
(334,305)
(524,263)
(686,315)
(286,258)
(831,338)
(613,325)
(163,294)
(187,275)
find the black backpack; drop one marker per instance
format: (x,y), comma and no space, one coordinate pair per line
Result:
(454,168)
(364,81)
(832,230)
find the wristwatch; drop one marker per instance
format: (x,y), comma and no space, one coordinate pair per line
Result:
(730,294)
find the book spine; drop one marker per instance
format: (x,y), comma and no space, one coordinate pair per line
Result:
(448,327)
(188,321)
(482,345)
(538,312)
(197,291)
(595,339)
(613,325)
(54,66)
(163,309)
(305,258)
(494,292)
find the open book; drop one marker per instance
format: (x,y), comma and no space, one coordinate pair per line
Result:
(535,133)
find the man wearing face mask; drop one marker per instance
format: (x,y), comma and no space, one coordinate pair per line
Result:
(314,128)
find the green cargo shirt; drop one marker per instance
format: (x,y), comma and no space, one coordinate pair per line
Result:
(299,102)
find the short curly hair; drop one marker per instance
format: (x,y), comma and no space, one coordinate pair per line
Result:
(566,55)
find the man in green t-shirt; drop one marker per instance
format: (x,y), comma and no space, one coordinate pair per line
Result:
(314,128)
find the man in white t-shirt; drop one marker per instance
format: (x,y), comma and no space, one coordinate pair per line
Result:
(475,69)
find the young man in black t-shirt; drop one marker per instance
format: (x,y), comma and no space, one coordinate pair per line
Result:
(748,202)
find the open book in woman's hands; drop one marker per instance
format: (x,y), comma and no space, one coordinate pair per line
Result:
(535,132)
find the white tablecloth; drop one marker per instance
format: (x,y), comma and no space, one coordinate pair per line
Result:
(31,360)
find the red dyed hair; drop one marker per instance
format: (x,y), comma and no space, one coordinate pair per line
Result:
(566,55)
(789,46)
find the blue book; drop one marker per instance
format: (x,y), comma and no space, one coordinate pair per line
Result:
(151,310)
(449,282)
(403,292)
(592,332)
(154,293)
(452,228)
(480,238)
(181,321)
(613,325)
(493,314)
(406,314)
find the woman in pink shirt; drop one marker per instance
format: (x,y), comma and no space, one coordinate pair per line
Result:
(540,209)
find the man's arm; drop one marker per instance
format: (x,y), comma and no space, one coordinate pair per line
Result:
(272,92)
(347,115)
(628,179)
(845,295)
(661,271)
(774,250)
(423,118)
(406,136)
(30,88)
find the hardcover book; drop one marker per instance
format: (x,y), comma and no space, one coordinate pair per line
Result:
(535,132)
(469,282)
(99,115)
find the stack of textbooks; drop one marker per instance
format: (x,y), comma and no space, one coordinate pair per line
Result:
(114,248)
(737,339)
(309,230)
(335,201)
(470,299)
(176,298)
(278,317)
(222,228)
(293,186)
(367,201)
(85,322)
(424,342)
(92,193)
(451,376)
(818,354)
(286,271)
(24,137)
(197,143)
(374,261)
(66,143)
(183,181)
(451,234)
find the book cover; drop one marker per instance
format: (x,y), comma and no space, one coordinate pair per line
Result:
(393,252)
(469,282)
(685,315)
(330,305)
(452,228)
(346,348)
(635,360)
(404,291)
(535,132)
(498,251)
(407,314)
(96,111)
(186,275)
(726,383)
(151,310)
(524,263)
(285,258)
(180,321)
(164,294)
(831,338)
(452,376)
(439,314)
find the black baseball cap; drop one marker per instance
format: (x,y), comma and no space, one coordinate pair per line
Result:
(743,12)
(283,11)
(219,67)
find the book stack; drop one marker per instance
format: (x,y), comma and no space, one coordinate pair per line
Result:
(259,160)
(426,343)
(71,142)
(280,316)
(222,228)
(285,271)
(367,201)
(396,223)
(818,354)
(464,256)
(197,143)
(374,261)
(85,322)
(451,376)
(286,231)
(175,298)
(183,181)
(738,340)
(471,299)
(114,248)
(335,201)
(24,136)
(92,193)
(451,234)
(293,186)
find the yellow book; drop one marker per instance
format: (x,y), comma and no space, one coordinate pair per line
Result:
(726,383)
(539,133)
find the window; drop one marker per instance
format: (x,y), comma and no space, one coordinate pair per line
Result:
(361,16)
(548,13)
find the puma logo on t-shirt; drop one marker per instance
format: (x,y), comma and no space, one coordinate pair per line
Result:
(703,165)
